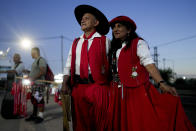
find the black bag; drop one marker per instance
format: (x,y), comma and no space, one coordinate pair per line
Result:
(7,106)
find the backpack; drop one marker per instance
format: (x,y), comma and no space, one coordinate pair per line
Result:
(49,76)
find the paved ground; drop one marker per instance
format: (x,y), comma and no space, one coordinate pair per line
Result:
(53,120)
(53,116)
(188,99)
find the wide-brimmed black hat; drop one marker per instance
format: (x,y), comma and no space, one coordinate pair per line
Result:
(103,27)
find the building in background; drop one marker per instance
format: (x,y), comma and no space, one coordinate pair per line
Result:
(5,64)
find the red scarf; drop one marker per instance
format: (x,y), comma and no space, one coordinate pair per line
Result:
(84,57)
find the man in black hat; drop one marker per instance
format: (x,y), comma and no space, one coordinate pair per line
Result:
(87,65)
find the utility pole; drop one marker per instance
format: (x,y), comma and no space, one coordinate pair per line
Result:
(62,63)
(156,56)
(164,63)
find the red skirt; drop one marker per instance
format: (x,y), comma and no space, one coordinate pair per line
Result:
(145,109)
(90,107)
(19,92)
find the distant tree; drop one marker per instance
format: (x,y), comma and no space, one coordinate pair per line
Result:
(167,74)
(180,83)
(189,84)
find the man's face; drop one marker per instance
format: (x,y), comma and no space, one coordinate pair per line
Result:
(33,53)
(88,22)
(16,58)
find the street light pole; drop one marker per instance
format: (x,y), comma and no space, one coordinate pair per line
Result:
(62,63)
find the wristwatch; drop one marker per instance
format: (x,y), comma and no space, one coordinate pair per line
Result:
(159,83)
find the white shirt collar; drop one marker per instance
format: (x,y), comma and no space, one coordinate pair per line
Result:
(96,34)
(123,44)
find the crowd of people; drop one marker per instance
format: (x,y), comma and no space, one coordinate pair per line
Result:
(37,91)
(108,81)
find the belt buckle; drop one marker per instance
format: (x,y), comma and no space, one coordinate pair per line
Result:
(119,84)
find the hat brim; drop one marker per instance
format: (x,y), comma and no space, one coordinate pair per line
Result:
(103,27)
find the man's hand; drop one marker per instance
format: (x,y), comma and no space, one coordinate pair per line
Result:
(26,71)
(65,89)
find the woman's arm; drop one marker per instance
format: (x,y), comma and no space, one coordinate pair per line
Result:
(154,72)
(146,60)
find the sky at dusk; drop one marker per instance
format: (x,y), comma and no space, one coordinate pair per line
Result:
(44,21)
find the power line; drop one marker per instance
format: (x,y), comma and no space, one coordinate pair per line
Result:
(178,40)
(168,43)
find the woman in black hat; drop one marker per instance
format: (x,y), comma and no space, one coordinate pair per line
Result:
(138,106)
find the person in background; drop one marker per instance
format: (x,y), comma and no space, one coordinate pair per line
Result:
(16,86)
(17,68)
(38,71)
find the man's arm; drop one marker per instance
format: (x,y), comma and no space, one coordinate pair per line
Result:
(66,77)
(9,71)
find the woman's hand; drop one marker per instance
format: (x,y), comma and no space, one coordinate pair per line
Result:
(154,72)
(168,89)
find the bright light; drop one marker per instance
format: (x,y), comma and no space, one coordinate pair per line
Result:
(26,43)
(184,78)
(1,52)
(26,82)
(58,78)
(8,49)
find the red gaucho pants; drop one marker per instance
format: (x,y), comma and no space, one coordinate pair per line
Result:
(90,107)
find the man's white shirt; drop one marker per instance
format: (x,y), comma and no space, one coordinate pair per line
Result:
(19,69)
(78,54)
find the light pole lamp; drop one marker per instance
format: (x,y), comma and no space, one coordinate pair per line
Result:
(26,43)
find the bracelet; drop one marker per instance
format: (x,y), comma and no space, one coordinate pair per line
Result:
(159,83)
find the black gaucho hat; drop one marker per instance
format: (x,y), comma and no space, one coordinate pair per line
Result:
(103,27)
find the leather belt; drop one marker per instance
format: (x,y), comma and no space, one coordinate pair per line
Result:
(79,80)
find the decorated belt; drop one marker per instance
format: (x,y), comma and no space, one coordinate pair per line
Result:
(115,78)
(79,80)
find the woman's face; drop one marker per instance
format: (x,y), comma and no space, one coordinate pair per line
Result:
(120,31)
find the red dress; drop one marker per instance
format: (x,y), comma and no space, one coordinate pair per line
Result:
(142,107)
